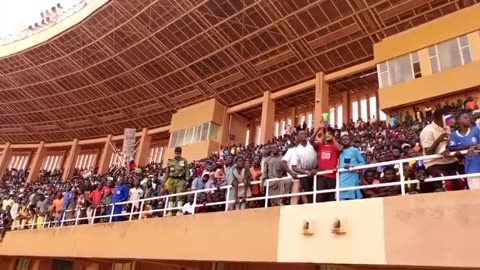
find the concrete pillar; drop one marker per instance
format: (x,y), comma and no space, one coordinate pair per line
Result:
(347,113)
(321,98)
(106,155)
(70,161)
(143,148)
(5,158)
(293,116)
(37,161)
(268,118)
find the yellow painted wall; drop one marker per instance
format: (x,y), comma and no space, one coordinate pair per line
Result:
(442,29)
(210,110)
(444,83)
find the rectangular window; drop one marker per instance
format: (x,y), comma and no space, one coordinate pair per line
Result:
(373,107)
(364,109)
(331,119)
(309,120)
(259,131)
(355,111)
(400,69)
(213,133)
(384,80)
(277,129)
(449,54)
(283,127)
(247,137)
(383,116)
(340,116)
(205,128)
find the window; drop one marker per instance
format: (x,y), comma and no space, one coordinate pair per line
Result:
(213,132)
(277,129)
(383,116)
(449,54)
(289,122)
(355,111)
(373,107)
(302,119)
(339,116)
(156,154)
(247,137)
(400,69)
(283,127)
(309,120)
(364,109)
(331,119)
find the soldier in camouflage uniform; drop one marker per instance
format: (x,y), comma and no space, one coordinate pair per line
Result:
(177,171)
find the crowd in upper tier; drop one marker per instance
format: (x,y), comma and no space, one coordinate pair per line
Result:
(49,201)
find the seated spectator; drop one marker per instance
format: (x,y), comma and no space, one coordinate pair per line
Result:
(370,178)
(389,176)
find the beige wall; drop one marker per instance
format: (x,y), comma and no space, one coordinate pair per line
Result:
(434,230)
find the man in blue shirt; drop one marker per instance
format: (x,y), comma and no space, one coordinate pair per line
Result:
(120,194)
(349,157)
(467,137)
(67,199)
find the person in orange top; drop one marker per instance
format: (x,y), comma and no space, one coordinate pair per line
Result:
(57,206)
(256,172)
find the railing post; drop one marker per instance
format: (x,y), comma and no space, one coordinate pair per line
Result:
(93,215)
(194,202)
(142,203)
(227,198)
(315,188)
(337,186)
(77,213)
(131,210)
(62,218)
(111,213)
(402,178)
(266,193)
(165,206)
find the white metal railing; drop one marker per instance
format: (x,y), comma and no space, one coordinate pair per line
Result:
(141,213)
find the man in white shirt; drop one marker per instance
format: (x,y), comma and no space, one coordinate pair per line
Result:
(286,164)
(136,193)
(189,207)
(304,162)
(434,139)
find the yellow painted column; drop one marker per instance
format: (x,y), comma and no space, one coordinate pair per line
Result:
(143,148)
(5,158)
(36,163)
(474,41)
(346,114)
(321,98)
(70,161)
(268,118)
(425,65)
(106,155)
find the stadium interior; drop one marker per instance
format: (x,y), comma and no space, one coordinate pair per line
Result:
(235,78)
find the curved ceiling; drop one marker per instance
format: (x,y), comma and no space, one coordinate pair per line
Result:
(134,62)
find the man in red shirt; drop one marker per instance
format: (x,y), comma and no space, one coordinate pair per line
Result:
(328,150)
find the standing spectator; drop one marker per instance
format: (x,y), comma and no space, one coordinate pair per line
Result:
(240,179)
(177,171)
(328,150)
(256,173)
(349,157)
(286,164)
(272,170)
(304,162)
(434,138)
(95,198)
(135,194)
(120,194)
(467,137)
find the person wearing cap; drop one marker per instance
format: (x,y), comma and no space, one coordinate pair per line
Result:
(177,171)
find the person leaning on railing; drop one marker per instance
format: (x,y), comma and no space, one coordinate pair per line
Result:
(434,139)
(350,157)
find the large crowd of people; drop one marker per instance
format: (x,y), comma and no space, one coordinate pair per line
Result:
(256,170)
